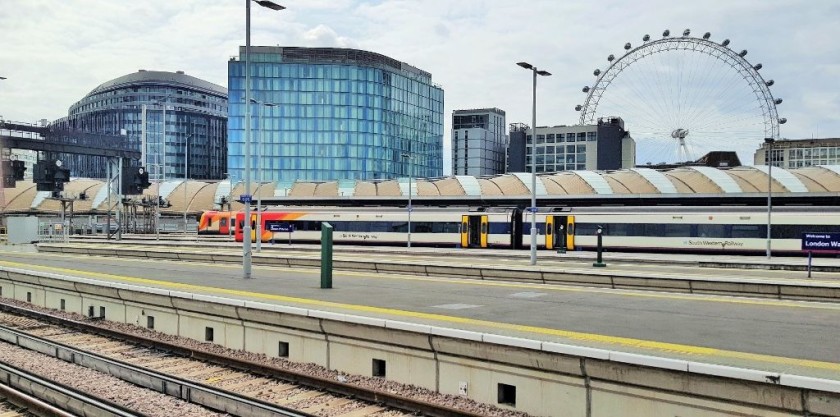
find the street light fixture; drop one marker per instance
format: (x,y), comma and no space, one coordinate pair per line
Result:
(246,227)
(260,143)
(769,142)
(533,208)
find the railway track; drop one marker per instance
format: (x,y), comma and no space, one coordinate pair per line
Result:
(216,381)
(23,393)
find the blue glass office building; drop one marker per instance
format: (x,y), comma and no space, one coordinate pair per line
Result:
(190,144)
(334,114)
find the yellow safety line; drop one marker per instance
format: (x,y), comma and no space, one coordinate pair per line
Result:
(668,293)
(578,336)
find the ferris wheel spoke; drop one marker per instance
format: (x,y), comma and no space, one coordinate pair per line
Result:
(701,87)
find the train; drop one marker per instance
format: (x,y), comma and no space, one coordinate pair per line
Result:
(724,229)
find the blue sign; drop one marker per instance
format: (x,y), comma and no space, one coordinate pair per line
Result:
(245,198)
(821,241)
(281,227)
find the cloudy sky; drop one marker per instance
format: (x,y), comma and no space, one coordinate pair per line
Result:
(54,52)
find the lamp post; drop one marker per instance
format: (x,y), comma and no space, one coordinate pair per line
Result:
(246,229)
(186,177)
(536,72)
(161,166)
(410,177)
(260,142)
(769,142)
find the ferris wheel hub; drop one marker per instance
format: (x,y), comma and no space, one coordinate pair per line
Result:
(679,133)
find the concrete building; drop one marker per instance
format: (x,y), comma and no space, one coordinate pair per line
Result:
(334,114)
(798,153)
(602,146)
(479,142)
(191,143)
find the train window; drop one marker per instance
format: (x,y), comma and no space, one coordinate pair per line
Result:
(712,230)
(795,231)
(677,230)
(499,228)
(749,231)
(222,222)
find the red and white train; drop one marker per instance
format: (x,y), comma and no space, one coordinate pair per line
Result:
(675,229)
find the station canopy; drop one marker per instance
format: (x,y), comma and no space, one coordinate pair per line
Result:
(205,195)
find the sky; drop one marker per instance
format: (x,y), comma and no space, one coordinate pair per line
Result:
(54,52)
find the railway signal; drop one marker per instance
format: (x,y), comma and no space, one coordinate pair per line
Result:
(134,180)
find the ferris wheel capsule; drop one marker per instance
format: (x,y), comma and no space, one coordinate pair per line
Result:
(611,58)
(758,66)
(725,42)
(666,33)
(627,46)
(597,72)
(707,35)
(586,89)
(687,32)
(743,53)
(578,107)
(778,101)
(782,121)
(646,38)
(770,83)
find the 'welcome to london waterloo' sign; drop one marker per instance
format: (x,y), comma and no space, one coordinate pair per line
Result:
(821,241)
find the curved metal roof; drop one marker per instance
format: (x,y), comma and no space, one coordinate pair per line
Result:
(815,179)
(657,179)
(784,177)
(163,77)
(597,182)
(725,182)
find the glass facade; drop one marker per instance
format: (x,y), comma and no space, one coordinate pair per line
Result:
(334,114)
(132,107)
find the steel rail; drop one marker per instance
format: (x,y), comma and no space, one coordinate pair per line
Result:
(192,392)
(334,387)
(45,396)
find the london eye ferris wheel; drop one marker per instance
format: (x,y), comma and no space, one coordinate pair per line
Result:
(682,97)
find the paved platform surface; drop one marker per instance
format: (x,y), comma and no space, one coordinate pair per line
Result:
(782,336)
(823,262)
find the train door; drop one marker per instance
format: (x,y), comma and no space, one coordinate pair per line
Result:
(549,232)
(516,229)
(474,231)
(562,230)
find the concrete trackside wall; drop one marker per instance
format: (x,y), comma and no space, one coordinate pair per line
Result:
(548,378)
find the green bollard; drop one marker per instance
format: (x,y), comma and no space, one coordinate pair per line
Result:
(599,261)
(326,255)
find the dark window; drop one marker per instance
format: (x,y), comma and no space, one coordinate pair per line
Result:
(498,228)
(150,322)
(379,368)
(283,349)
(208,334)
(62,305)
(102,311)
(507,394)
(28,297)
(90,311)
